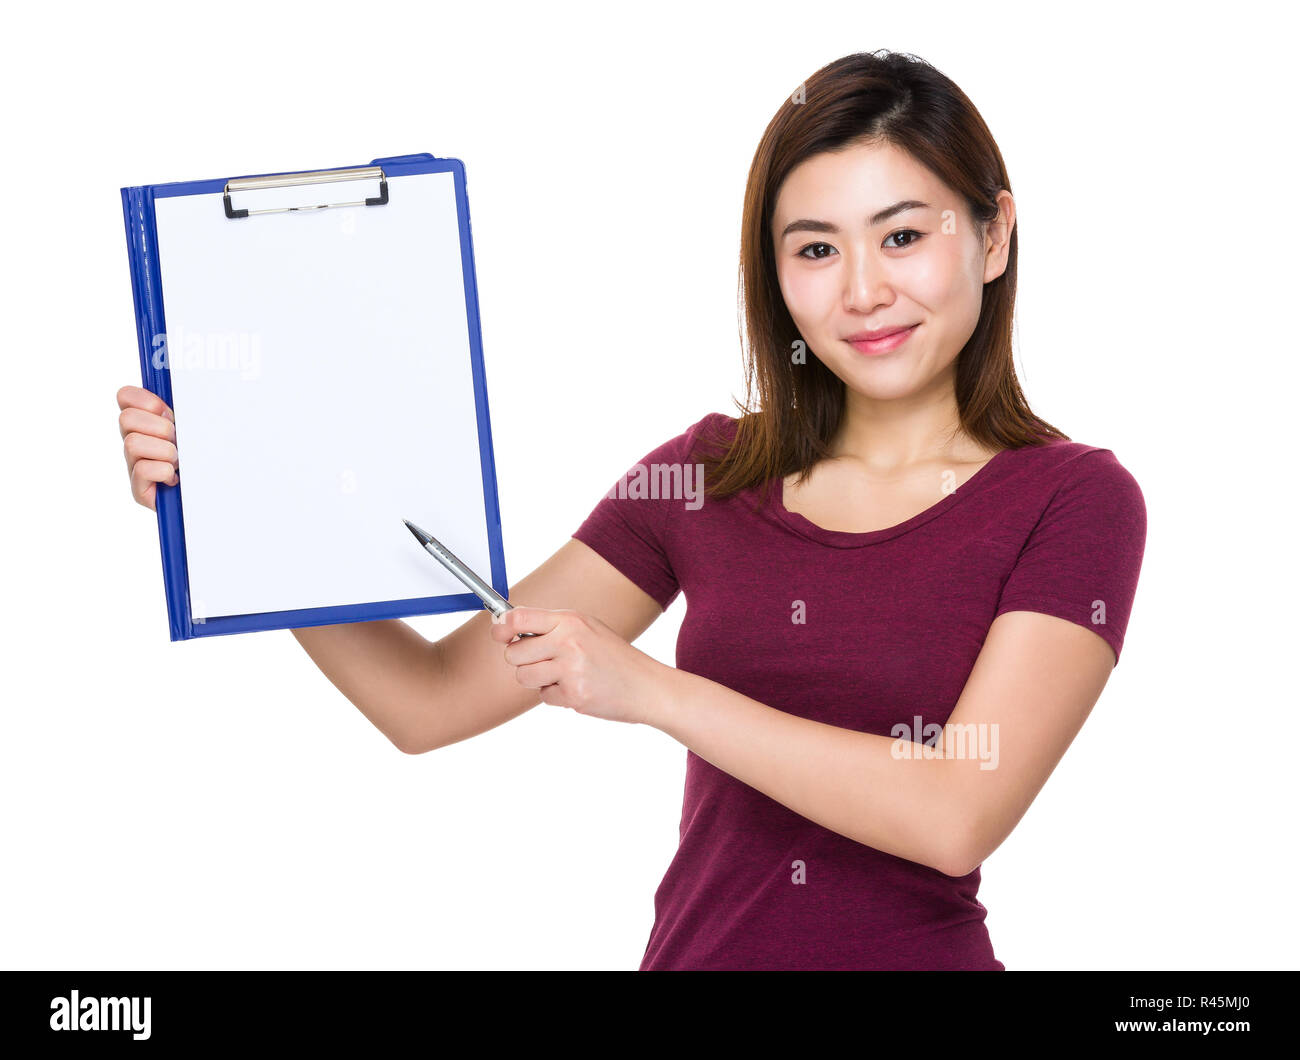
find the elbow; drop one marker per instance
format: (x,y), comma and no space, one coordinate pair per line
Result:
(955,846)
(964,849)
(957,862)
(962,828)
(948,851)
(410,746)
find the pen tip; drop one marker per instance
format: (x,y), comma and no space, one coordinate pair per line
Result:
(419,534)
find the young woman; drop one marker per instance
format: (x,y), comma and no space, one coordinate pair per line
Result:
(905,590)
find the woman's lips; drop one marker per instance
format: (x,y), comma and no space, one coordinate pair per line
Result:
(884,345)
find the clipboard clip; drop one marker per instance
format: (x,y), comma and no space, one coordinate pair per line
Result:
(293,180)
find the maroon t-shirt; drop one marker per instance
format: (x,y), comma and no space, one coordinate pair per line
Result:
(892,622)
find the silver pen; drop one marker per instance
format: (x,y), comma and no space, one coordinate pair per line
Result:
(492,600)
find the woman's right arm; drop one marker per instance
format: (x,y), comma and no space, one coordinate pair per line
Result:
(424,695)
(420,694)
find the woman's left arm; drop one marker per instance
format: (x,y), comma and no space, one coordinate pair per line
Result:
(1032,687)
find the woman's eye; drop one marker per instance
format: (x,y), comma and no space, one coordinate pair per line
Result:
(814,257)
(903,232)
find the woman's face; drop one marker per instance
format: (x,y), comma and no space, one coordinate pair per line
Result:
(851,259)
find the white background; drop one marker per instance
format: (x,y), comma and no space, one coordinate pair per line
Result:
(218,804)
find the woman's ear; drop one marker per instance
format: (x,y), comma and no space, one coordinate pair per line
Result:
(997,237)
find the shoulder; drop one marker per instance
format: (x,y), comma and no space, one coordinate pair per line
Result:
(716,428)
(713,429)
(714,425)
(1077,464)
(1073,483)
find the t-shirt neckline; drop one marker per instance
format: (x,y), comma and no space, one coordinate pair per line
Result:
(774,505)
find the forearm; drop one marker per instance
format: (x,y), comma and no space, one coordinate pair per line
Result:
(844,780)
(386,669)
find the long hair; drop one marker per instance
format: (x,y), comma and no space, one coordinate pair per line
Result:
(792,411)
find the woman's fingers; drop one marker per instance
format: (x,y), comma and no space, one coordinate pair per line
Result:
(145,476)
(135,397)
(149,448)
(133,419)
(539,674)
(148,442)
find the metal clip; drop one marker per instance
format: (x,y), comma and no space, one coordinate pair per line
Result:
(292,180)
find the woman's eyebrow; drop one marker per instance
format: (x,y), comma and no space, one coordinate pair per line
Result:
(808,225)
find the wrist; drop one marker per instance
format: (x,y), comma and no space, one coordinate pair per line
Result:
(658,694)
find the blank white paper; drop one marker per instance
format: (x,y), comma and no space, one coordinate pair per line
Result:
(323,391)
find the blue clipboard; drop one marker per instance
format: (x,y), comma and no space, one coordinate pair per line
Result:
(139,206)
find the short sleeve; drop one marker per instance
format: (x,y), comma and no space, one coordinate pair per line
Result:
(1082,559)
(631,525)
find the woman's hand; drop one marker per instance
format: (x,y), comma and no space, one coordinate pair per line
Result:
(579,662)
(148,442)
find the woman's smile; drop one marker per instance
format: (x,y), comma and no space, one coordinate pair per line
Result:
(884,344)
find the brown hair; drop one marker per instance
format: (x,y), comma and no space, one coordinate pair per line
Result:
(902,100)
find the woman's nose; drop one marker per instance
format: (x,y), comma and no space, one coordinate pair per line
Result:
(866,283)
